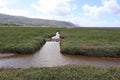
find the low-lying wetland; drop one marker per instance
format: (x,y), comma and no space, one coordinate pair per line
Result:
(88,42)
(83,41)
(101,42)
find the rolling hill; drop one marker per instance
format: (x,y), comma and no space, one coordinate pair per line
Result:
(20,20)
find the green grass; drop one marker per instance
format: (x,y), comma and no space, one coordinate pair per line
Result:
(23,39)
(91,41)
(83,41)
(102,42)
(62,73)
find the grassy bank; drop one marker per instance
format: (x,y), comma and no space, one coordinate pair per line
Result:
(62,73)
(23,39)
(91,41)
(82,41)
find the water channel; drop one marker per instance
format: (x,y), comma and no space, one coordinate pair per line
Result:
(50,56)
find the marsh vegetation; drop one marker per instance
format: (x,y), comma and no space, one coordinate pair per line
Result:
(62,73)
(103,42)
(23,39)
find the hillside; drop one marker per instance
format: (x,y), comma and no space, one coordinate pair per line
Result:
(20,20)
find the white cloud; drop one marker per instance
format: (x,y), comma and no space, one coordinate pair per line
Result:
(109,7)
(53,7)
(6,10)
(3,3)
(17,12)
(56,9)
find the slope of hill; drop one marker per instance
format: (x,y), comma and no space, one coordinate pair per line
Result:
(19,20)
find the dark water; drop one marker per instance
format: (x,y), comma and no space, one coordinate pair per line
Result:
(50,56)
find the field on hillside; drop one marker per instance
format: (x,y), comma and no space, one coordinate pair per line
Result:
(23,39)
(91,41)
(62,73)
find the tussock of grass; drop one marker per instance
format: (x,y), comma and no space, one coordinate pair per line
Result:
(62,73)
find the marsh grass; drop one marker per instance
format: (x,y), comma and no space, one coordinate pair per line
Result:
(62,73)
(104,42)
(23,39)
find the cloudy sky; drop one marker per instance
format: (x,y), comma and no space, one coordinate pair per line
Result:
(83,12)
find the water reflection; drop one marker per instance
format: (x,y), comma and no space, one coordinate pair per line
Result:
(50,56)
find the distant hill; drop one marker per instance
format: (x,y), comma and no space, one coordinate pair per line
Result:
(20,20)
